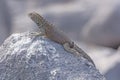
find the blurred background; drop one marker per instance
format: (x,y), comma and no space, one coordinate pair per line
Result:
(93,24)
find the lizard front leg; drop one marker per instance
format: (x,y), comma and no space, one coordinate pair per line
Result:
(40,33)
(37,34)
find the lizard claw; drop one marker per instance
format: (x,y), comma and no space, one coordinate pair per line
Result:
(36,34)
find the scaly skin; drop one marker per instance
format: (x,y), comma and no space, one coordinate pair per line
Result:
(58,36)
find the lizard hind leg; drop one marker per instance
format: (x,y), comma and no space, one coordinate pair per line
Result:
(78,52)
(68,48)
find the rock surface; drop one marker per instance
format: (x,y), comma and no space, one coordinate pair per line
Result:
(25,57)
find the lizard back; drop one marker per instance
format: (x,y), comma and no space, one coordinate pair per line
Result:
(51,31)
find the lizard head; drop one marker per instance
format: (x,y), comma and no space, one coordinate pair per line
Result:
(37,18)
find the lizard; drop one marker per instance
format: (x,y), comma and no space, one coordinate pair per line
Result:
(53,33)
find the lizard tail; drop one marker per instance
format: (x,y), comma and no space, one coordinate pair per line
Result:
(82,53)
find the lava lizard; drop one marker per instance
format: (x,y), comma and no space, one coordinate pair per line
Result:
(53,33)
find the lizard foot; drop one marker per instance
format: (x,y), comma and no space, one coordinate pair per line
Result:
(36,34)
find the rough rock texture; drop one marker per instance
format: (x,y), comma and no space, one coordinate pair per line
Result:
(25,57)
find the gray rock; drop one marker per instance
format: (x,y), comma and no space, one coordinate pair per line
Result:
(25,57)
